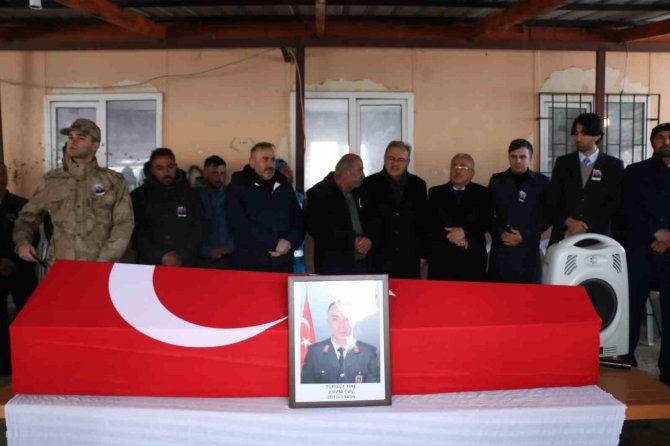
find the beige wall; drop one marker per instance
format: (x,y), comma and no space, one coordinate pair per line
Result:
(465,100)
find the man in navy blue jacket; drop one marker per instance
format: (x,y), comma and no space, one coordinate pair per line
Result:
(647,208)
(519,218)
(263,214)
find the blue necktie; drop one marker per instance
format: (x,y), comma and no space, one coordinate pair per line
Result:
(586,161)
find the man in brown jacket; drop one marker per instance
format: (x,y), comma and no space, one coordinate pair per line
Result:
(89,205)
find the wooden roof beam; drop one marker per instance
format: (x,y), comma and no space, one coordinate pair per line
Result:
(320,16)
(656,29)
(110,13)
(516,14)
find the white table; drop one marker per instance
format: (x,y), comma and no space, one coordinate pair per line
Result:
(547,416)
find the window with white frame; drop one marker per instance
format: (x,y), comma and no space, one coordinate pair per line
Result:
(130,125)
(628,121)
(337,123)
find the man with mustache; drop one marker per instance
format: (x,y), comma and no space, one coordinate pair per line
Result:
(647,209)
(168,214)
(263,214)
(585,188)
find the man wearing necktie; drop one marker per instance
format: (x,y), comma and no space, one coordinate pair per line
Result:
(340,358)
(585,188)
(459,217)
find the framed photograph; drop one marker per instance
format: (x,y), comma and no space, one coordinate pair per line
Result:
(339,341)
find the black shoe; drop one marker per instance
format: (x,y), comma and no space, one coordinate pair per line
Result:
(629,359)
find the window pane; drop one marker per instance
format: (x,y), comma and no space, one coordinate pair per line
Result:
(326,135)
(131,136)
(379,125)
(65,116)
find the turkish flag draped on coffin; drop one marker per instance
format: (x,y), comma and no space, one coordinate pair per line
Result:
(445,336)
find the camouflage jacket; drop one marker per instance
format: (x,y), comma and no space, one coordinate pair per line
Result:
(90,209)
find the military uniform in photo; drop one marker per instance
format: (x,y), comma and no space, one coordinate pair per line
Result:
(324,364)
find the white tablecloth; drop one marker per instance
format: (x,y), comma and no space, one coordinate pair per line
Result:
(548,416)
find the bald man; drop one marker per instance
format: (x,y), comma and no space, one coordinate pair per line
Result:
(336,221)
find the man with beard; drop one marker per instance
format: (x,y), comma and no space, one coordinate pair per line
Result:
(519,218)
(460,217)
(263,214)
(647,209)
(336,221)
(216,251)
(168,214)
(395,202)
(585,188)
(89,206)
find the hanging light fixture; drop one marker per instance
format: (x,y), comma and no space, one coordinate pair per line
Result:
(35,4)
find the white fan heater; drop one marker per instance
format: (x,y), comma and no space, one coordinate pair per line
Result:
(598,263)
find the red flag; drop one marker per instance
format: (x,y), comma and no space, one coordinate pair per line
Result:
(306,331)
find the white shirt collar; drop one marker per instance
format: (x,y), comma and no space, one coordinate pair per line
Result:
(593,157)
(348,347)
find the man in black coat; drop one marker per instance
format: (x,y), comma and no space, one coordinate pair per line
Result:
(519,218)
(16,276)
(169,219)
(336,221)
(585,188)
(395,202)
(340,358)
(263,214)
(460,216)
(647,209)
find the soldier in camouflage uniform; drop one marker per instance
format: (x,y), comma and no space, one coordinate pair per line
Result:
(89,205)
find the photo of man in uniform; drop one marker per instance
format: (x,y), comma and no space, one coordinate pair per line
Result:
(340,358)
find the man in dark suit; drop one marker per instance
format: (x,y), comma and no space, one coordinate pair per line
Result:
(519,218)
(336,222)
(585,189)
(647,209)
(459,217)
(341,358)
(16,275)
(395,202)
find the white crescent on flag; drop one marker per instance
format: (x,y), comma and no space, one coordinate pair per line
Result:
(131,288)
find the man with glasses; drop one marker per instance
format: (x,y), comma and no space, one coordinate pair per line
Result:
(585,189)
(396,202)
(459,217)
(519,218)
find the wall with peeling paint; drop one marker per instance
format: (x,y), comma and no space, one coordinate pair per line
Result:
(465,100)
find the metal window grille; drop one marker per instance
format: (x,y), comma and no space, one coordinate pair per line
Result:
(629,119)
